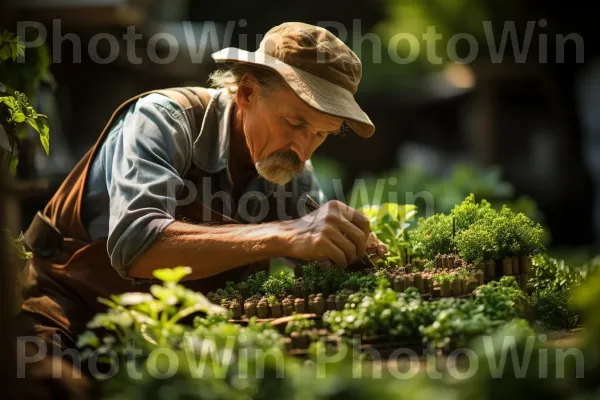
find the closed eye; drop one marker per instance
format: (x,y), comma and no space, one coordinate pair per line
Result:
(293,124)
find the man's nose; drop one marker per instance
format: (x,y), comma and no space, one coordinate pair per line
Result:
(302,145)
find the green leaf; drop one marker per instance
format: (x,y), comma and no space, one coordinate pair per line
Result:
(111,319)
(41,126)
(14,163)
(142,318)
(20,48)
(167,295)
(88,338)
(5,53)
(134,298)
(172,274)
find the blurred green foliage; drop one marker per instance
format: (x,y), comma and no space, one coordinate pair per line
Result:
(551,285)
(431,192)
(421,20)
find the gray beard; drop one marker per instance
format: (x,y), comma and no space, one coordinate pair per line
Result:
(278,170)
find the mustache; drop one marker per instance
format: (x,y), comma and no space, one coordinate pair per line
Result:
(286,158)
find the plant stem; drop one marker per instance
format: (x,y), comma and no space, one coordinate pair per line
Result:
(184,313)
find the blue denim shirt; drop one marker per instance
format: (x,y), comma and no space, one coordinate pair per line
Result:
(131,189)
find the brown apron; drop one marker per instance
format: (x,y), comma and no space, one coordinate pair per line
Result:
(62,288)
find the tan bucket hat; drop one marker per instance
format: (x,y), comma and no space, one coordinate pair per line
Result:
(317,66)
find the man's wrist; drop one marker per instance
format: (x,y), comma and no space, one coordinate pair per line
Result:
(278,239)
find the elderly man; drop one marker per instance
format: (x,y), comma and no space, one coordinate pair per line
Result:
(208,178)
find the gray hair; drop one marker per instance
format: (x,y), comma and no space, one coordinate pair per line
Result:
(230,76)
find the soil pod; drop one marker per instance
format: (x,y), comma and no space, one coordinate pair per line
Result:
(409,268)
(464,283)
(276,310)
(403,282)
(311,303)
(525,264)
(262,308)
(300,340)
(515,265)
(444,261)
(288,306)
(418,280)
(331,302)
(480,266)
(409,282)
(250,308)
(300,306)
(458,263)
(479,277)
(298,288)
(506,266)
(439,262)
(319,305)
(490,269)
(427,285)
(398,284)
(450,261)
(445,289)
(456,287)
(236,309)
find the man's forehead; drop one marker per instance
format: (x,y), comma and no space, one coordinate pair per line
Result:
(309,115)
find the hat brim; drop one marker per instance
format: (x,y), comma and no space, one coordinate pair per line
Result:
(317,92)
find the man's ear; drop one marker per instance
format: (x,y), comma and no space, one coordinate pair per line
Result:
(246,92)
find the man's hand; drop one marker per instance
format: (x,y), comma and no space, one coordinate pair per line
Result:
(335,231)
(375,248)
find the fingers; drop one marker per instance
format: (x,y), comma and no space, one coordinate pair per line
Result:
(352,215)
(346,246)
(357,236)
(335,254)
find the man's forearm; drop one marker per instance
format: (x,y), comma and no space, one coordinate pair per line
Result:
(209,249)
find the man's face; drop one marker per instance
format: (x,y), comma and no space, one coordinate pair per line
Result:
(282,132)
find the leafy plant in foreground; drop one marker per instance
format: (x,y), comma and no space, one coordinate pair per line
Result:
(553,308)
(551,285)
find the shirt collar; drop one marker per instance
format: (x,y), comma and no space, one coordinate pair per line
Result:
(211,147)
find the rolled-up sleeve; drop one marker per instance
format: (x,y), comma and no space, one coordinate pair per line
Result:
(151,153)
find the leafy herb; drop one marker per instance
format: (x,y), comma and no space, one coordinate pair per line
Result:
(432,236)
(16,110)
(389,222)
(469,212)
(279,284)
(11,46)
(553,308)
(256,282)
